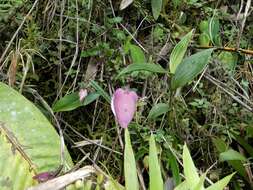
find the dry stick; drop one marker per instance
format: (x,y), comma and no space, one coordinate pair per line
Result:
(65,180)
(90,141)
(75,55)
(244,51)
(231,89)
(60,47)
(229,93)
(16,33)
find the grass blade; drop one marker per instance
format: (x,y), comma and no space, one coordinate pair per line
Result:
(178,52)
(190,171)
(155,177)
(131,180)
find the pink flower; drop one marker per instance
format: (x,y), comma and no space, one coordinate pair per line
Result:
(82,94)
(123,106)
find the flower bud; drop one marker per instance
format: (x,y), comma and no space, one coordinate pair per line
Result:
(123,106)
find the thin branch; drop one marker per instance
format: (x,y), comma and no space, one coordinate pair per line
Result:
(230,49)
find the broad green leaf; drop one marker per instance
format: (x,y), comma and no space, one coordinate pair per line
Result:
(155,68)
(137,54)
(14,167)
(28,142)
(190,171)
(155,176)
(182,186)
(101,91)
(71,102)
(178,52)
(221,184)
(190,67)
(174,168)
(156,8)
(157,110)
(236,164)
(131,180)
(231,155)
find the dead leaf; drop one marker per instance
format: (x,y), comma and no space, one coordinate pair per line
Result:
(13,69)
(125,3)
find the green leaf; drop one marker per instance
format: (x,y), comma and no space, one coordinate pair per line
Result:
(131,180)
(174,168)
(157,110)
(220,144)
(221,184)
(29,144)
(228,59)
(190,68)
(231,155)
(178,52)
(200,185)
(244,144)
(156,8)
(236,164)
(137,54)
(142,67)
(182,186)
(101,91)
(155,176)
(71,102)
(214,30)
(190,171)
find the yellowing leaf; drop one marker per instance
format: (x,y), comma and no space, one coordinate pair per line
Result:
(125,3)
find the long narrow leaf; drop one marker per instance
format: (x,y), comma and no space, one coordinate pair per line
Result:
(190,171)
(155,176)
(131,180)
(157,110)
(174,168)
(221,184)
(101,91)
(71,102)
(142,67)
(231,155)
(178,52)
